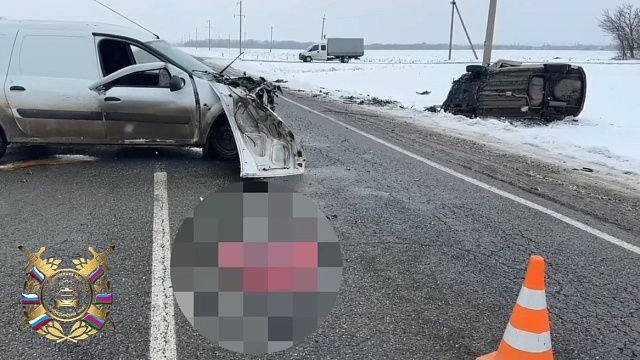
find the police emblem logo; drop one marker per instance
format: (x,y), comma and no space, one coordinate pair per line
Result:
(67,304)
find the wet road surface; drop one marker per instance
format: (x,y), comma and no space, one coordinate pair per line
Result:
(433,264)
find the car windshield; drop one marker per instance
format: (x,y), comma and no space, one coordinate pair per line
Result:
(180,57)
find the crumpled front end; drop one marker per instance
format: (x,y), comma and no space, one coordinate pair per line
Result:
(266,146)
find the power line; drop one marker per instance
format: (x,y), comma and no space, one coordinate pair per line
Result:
(126,18)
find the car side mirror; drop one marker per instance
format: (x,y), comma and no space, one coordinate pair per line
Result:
(176,83)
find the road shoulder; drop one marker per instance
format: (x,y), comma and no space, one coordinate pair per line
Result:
(600,197)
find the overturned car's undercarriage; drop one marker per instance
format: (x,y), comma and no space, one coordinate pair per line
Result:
(508,89)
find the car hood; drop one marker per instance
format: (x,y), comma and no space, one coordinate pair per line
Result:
(266,146)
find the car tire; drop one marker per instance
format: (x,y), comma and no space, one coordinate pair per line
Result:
(476,69)
(557,68)
(308,59)
(221,143)
(3,144)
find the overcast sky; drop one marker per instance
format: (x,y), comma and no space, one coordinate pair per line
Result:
(530,22)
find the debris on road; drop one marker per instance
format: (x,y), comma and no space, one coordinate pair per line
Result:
(49,161)
(372,101)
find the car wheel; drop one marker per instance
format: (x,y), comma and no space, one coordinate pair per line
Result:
(3,144)
(221,143)
(476,69)
(308,59)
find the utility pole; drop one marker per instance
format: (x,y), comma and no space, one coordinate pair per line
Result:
(491,24)
(240,16)
(209,35)
(324,18)
(271,43)
(454,9)
(453,12)
(229,44)
(197,37)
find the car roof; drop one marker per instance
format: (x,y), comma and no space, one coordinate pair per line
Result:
(80,26)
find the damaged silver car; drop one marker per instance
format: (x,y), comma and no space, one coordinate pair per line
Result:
(98,84)
(509,89)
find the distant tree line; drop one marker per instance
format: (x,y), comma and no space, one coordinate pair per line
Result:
(623,24)
(298,45)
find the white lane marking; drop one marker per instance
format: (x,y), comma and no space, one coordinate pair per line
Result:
(584,227)
(163,335)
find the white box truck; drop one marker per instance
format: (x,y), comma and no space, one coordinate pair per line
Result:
(343,49)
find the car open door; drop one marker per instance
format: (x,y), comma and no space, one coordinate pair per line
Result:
(137,99)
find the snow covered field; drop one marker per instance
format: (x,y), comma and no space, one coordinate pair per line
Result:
(606,136)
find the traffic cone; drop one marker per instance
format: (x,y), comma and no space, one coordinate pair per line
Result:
(528,334)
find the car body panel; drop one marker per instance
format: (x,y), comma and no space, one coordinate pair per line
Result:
(266,146)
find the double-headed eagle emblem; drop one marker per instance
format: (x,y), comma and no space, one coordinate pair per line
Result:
(67,304)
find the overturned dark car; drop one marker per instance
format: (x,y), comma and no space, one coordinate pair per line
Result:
(508,89)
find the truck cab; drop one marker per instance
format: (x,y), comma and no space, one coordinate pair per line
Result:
(315,52)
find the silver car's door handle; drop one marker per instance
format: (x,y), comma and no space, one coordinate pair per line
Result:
(112,99)
(17,88)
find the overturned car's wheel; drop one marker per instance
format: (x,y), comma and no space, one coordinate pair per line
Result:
(221,143)
(3,144)
(476,69)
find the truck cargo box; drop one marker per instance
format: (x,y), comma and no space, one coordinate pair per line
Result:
(352,47)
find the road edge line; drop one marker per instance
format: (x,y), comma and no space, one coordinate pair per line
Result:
(162,339)
(575,223)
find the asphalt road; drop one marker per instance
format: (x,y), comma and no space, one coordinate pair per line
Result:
(433,264)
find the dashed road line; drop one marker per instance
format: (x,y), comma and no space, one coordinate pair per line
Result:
(162,344)
(575,223)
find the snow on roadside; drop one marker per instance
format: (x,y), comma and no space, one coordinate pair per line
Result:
(606,136)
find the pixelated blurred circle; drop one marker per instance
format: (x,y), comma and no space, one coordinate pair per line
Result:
(257,268)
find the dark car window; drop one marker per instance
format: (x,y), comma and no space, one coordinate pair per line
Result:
(116,55)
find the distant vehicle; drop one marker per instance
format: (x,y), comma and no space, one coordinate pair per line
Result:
(343,49)
(99,84)
(509,89)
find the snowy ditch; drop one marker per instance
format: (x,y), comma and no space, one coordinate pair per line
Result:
(605,137)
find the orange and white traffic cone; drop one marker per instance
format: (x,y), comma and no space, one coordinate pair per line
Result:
(528,334)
